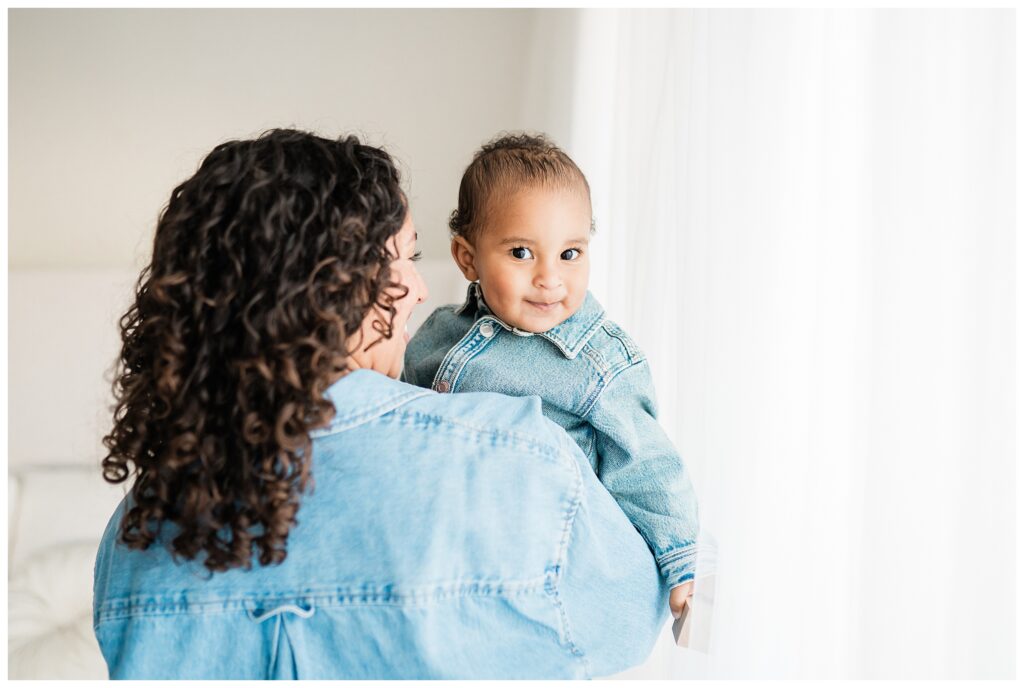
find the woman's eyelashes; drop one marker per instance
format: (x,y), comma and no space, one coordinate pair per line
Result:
(523,253)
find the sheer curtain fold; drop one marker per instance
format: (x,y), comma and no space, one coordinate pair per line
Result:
(805,218)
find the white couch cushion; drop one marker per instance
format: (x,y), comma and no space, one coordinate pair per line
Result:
(13,497)
(59,505)
(50,616)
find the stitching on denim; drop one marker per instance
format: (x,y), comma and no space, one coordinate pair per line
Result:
(477,345)
(513,438)
(554,574)
(606,382)
(574,504)
(446,362)
(593,354)
(594,391)
(227,606)
(676,553)
(556,600)
(458,356)
(571,351)
(679,564)
(387,595)
(632,350)
(349,422)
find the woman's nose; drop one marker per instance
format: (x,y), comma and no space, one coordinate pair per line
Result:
(424,292)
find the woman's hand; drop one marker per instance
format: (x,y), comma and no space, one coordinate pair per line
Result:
(678,596)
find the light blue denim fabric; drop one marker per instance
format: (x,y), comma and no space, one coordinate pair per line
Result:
(595,382)
(447,536)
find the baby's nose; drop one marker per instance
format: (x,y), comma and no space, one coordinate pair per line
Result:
(547,279)
(547,282)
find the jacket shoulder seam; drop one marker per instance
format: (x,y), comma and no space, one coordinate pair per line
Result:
(615,335)
(347,423)
(518,438)
(606,381)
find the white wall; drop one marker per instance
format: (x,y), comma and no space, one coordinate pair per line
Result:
(551,77)
(110,109)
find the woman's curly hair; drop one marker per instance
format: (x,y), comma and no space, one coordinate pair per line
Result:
(265,264)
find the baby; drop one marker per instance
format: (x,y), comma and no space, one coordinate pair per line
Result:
(521,236)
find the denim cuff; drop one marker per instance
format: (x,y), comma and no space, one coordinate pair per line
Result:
(679,565)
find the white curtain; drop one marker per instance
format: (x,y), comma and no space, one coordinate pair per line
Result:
(806,219)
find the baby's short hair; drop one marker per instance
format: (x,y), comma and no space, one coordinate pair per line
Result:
(504,165)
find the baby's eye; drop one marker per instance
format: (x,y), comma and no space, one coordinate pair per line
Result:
(521,253)
(417,256)
(570,254)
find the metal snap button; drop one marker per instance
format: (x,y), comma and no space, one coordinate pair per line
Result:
(443,386)
(487,329)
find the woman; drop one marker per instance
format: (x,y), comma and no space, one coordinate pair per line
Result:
(295,510)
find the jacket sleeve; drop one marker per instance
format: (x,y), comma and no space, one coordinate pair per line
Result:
(614,600)
(643,471)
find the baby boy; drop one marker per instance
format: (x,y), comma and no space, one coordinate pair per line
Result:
(529,326)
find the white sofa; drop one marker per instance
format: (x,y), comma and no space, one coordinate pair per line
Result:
(63,342)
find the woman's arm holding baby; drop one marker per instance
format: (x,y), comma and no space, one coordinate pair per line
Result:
(641,468)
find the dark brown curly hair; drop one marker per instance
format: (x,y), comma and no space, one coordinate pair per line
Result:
(506,164)
(265,264)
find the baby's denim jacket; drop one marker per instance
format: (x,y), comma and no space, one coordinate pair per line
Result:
(595,382)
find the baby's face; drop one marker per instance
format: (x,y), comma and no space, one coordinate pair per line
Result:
(532,258)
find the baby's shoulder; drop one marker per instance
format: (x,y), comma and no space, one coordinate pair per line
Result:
(446,316)
(612,347)
(445,324)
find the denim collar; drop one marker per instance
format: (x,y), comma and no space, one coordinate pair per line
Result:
(569,336)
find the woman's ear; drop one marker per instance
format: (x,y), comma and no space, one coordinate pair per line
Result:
(463,253)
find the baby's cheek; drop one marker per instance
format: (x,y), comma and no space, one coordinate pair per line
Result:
(505,294)
(578,297)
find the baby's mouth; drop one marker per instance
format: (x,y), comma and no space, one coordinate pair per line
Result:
(542,306)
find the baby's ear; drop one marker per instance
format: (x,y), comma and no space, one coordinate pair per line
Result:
(463,253)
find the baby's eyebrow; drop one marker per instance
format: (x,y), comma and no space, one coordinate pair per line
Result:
(521,240)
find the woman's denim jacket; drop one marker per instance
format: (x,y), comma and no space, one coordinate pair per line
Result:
(595,382)
(446,536)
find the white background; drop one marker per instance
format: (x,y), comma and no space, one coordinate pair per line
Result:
(804,217)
